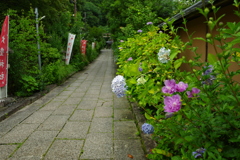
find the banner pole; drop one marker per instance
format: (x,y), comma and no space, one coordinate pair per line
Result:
(38,45)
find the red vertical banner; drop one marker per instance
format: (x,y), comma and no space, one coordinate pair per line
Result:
(83,46)
(4,52)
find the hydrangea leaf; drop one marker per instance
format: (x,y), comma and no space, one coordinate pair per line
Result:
(163,152)
(173,54)
(152,91)
(132,81)
(189,138)
(177,63)
(212,58)
(131,70)
(179,117)
(147,116)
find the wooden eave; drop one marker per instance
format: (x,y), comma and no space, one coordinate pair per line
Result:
(192,12)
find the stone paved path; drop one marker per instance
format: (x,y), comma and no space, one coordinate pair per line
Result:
(79,120)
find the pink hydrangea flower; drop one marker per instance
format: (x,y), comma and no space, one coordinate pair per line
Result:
(193,92)
(180,87)
(130,59)
(149,23)
(170,86)
(172,104)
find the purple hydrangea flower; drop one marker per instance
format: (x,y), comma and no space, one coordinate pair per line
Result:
(170,86)
(193,92)
(199,152)
(149,23)
(172,104)
(147,128)
(130,59)
(163,55)
(180,87)
(139,31)
(140,69)
(119,86)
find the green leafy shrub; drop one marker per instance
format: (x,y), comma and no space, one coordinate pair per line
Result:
(25,75)
(143,49)
(91,54)
(201,120)
(24,60)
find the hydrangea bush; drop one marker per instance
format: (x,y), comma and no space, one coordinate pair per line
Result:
(195,115)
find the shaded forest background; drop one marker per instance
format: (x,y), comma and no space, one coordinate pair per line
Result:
(88,19)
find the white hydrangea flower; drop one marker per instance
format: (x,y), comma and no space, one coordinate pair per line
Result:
(163,55)
(141,81)
(119,86)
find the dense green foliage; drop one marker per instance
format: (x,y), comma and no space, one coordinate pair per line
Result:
(25,77)
(134,14)
(204,123)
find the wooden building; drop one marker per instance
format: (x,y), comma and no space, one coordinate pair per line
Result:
(196,24)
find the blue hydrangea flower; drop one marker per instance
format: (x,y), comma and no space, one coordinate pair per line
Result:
(147,128)
(119,86)
(199,152)
(208,72)
(163,55)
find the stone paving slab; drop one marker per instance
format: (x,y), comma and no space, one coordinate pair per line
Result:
(65,109)
(97,146)
(60,98)
(36,145)
(65,150)
(82,115)
(101,125)
(77,94)
(90,98)
(54,123)
(87,104)
(19,134)
(125,148)
(38,117)
(125,130)
(123,114)
(104,103)
(80,120)
(74,130)
(120,103)
(6,150)
(76,100)
(53,105)
(103,112)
